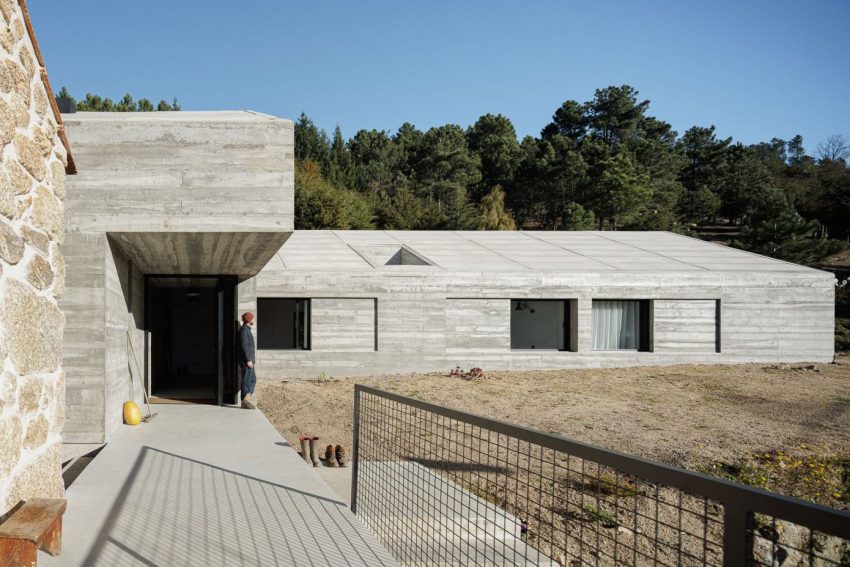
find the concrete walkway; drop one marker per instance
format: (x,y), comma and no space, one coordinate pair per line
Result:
(212,486)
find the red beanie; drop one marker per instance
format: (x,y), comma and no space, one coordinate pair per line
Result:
(247,317)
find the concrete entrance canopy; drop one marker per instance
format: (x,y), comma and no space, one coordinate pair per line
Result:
(240,254)
(180,172)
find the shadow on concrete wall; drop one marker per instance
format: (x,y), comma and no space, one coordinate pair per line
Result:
(178,511)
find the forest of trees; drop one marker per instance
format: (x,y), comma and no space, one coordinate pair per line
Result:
(603,164)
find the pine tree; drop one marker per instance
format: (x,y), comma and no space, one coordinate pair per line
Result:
(311,143)
(493,213)
(340,167)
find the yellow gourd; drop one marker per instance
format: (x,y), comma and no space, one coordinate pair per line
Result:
(132,413)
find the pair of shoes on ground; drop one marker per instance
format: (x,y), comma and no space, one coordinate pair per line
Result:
(248,402)
(335,456)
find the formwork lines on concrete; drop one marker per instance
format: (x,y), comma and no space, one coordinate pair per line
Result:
(496,252)
(653,252)
(569,250)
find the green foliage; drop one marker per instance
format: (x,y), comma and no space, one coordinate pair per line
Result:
(614,114)
(493,215)
(599,516)
(374,156)
(401,211)
(620,191)
(842,314)
(788,236)
(842,334)
(576,217)
(492,139)
(340,167)
(318,204)
(311,144)
(95,103)
(700,204)
(445,167)
(811,473)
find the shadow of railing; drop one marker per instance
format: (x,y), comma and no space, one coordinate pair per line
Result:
(174,510)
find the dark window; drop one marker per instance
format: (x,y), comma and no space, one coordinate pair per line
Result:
(540,324)
(621,325)
(283,324)
(717,326)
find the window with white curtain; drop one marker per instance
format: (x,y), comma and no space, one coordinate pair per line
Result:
(620,325)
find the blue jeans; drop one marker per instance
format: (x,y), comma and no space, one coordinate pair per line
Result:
(249,380)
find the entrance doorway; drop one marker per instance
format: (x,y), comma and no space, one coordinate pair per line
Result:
(191,338)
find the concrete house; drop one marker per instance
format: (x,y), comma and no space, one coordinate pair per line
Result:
(179,221)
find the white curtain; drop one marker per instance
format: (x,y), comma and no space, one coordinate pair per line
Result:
(616,325)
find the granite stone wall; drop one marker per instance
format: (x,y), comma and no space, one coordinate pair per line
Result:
(32,272)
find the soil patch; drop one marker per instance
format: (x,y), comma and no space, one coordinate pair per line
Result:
(717,419)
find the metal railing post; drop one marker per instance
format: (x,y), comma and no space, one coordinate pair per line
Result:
(355,449)
(736,524)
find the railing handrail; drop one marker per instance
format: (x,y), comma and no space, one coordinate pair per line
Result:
(732,494)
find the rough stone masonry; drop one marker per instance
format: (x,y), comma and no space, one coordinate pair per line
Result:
(32,271)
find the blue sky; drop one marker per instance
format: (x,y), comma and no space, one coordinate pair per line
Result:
(755,69)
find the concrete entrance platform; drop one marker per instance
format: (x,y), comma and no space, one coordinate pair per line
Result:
(212,486)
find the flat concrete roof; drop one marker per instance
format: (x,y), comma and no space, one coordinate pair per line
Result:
(207,485)
(579,252)
(172,116)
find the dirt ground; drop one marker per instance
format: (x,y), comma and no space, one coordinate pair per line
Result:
(719,419)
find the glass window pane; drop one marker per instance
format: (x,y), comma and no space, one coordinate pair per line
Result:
(538,324)
(283,324)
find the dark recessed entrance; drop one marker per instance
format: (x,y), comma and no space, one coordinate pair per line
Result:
(191,324)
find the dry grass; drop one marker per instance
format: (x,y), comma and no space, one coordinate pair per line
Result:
(719,419)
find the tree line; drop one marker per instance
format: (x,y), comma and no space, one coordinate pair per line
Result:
(95,103)
(605,164)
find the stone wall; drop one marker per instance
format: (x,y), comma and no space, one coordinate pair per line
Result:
(32,271)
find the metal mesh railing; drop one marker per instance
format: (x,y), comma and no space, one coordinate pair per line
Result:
(775,542)
(443,487)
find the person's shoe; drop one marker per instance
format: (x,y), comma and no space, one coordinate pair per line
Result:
(248,403)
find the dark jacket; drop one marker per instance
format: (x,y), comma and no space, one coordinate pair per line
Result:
(246,345)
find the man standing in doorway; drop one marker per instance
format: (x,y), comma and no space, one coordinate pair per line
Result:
(247,360)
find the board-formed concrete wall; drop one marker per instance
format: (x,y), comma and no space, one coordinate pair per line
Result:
(84,350)
(343,324)
(477,326)
(159,192)
(438,321)
(181,172)
(685,325)
(32,276)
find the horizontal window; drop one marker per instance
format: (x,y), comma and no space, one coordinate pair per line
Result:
(283,324)
(540,324)
(621,325)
